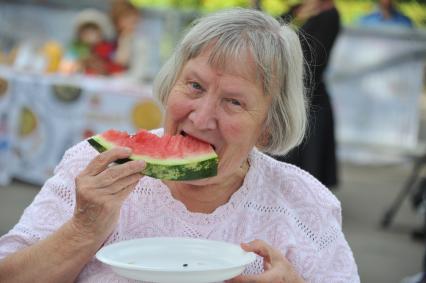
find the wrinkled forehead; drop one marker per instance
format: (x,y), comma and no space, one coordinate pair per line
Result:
(237,61)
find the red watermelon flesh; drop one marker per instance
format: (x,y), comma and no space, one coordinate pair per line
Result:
(166,147)
(168,157)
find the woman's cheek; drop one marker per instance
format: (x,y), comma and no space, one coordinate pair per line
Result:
(178,108)
(235,130)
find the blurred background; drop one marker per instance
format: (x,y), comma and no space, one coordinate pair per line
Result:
(70,69)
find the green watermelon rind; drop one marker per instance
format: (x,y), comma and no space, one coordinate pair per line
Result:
(170,161)
(199,167)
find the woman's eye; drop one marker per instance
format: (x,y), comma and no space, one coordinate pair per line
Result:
(234,102)
(196,86)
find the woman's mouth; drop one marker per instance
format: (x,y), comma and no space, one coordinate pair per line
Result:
(185,134)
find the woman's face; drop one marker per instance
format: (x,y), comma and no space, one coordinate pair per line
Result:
(127,23)
(226,108)
(90,34)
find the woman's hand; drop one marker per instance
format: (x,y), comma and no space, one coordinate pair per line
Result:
(101,188)
(277,268)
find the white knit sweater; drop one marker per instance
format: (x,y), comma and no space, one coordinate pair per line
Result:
(278,203)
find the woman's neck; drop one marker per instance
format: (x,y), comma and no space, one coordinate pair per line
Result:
(207,198)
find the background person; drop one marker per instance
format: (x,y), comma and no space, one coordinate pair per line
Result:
(93,49)
(320,25)
(125,18)
(386,14)
(133,48)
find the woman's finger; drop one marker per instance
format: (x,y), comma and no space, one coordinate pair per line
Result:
(244,279)
(276,274)
(122,184)
(101,162)
(124,193)
(262,249)
(261,278)
(95,211)
(276,267)
(117,172)
(259,247)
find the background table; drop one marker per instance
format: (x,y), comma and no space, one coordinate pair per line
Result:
(375,79)
(43,115)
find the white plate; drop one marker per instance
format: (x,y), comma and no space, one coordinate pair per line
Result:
(175,260)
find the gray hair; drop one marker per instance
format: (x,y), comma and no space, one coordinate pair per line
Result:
(279,61)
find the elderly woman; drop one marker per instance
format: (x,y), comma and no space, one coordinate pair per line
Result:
(235,81)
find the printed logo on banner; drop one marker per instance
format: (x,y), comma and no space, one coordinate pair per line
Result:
(66,93)
(146,115)
(27,122)
(3,86)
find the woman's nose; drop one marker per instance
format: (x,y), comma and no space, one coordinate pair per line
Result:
(204,114)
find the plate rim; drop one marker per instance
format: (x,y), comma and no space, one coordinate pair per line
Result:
(248,258)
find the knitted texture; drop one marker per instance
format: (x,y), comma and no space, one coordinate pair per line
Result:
(278,203)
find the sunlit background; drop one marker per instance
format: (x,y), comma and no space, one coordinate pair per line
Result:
(350,10)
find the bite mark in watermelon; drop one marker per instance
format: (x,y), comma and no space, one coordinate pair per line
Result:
(168,157)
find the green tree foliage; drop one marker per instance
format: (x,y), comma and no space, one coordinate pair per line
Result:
(350,10)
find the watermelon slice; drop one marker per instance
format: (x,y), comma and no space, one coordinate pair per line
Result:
(169,157)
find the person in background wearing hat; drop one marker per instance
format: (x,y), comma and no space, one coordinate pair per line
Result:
(92,50)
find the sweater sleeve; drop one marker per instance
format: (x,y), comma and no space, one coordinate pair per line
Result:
(52,206)
(334,262)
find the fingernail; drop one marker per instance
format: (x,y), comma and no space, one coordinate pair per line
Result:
(127,149)
(143,163)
